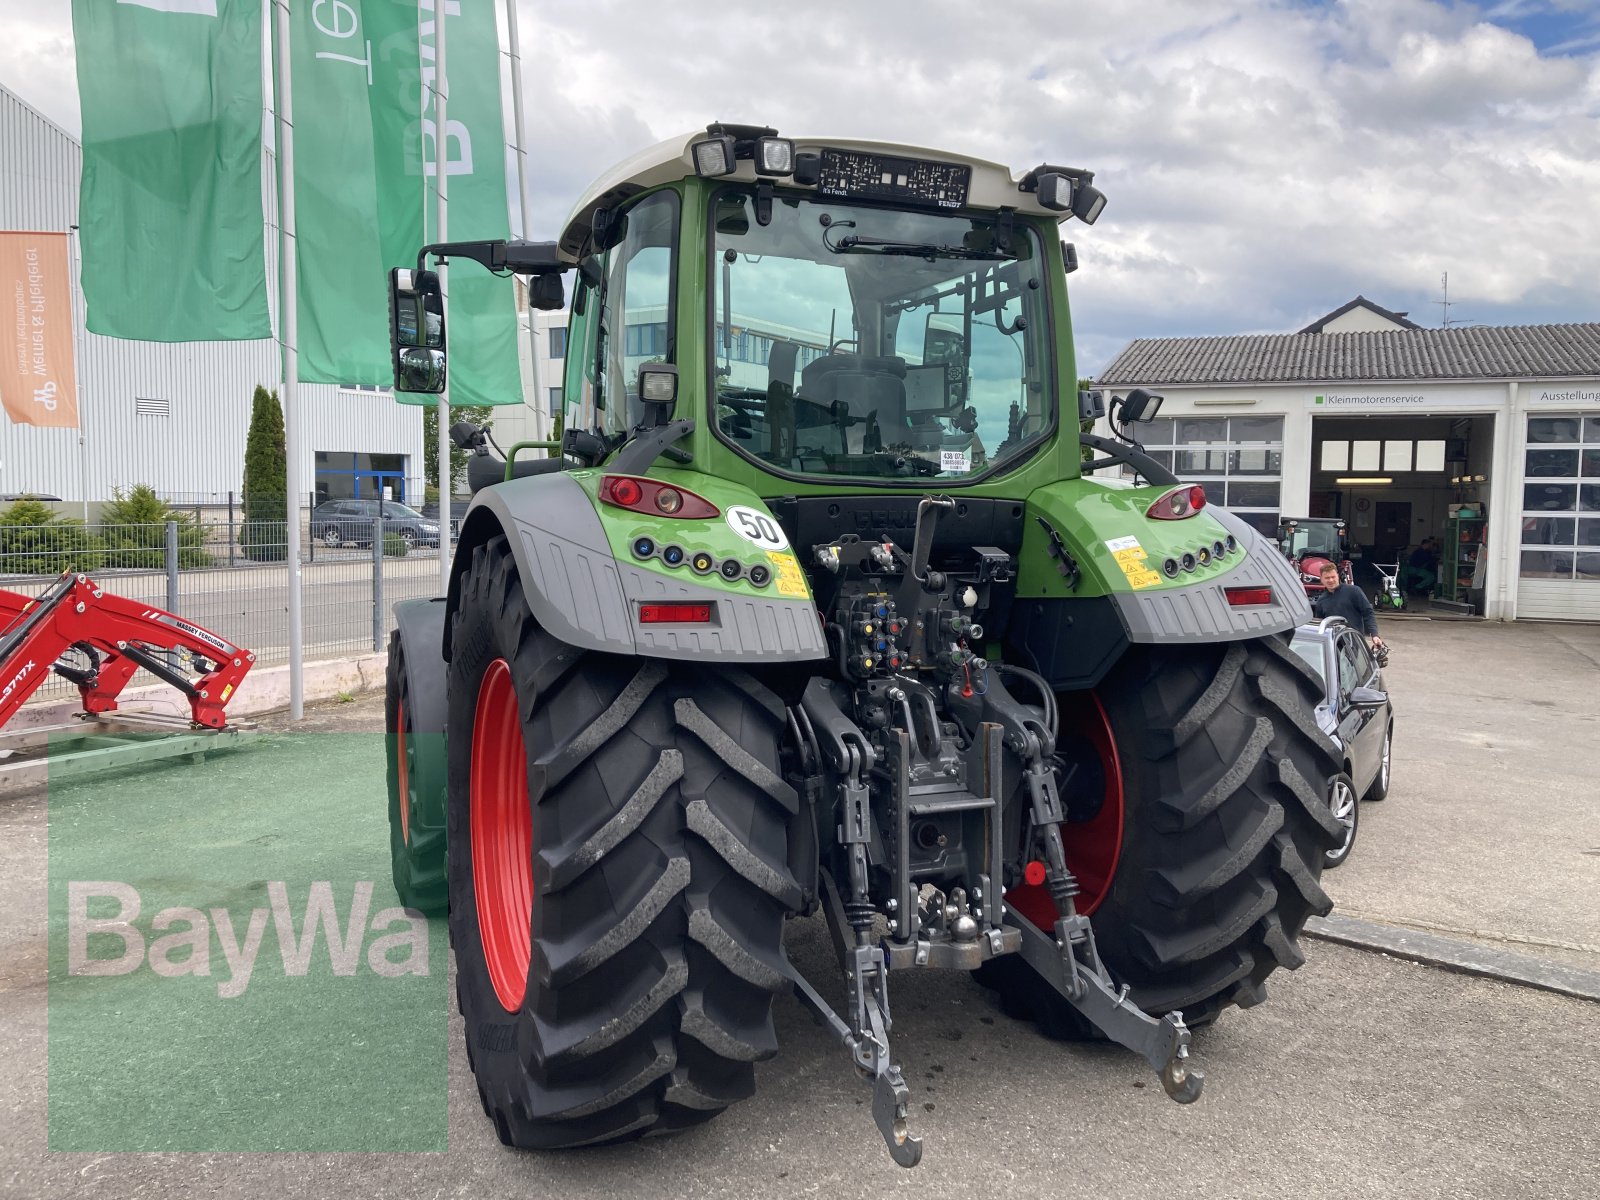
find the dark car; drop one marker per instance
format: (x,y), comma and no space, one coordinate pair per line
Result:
(1355,712)
(351,522)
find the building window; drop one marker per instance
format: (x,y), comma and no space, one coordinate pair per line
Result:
(1239,461)
(1397,457)
(1561,499)
(558,342)
(554,395)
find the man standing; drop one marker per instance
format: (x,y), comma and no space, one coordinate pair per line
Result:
(1340,599)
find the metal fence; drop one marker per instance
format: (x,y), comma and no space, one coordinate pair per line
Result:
(232,577)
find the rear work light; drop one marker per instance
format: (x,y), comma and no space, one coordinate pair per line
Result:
(654,498)
(1182,501)
(674,614)
(1241,597)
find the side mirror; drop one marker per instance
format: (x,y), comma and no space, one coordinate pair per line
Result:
(546,293)
(1139,405)
(416,331)
(1368,697)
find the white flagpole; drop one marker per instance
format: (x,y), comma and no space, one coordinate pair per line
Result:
(288,335)
(441,155)
(527,204)
(78,327)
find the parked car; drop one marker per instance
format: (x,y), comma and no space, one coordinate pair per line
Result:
(1356,713)
(350,523)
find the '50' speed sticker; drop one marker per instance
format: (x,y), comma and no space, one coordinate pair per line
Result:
(757,528)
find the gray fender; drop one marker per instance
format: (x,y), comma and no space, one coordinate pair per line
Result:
(419,626)
(580,594)
(1201,613)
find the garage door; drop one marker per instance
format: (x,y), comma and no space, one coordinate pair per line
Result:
(1559,568)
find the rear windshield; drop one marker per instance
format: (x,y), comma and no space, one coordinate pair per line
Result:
(1309,647)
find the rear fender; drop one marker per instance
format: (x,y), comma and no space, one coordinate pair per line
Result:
(581,594)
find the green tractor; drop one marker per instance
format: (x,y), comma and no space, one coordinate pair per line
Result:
(815,607)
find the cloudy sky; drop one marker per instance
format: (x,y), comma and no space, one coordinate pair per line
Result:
(1266,160)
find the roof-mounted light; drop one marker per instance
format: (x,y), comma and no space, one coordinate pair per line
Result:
(774,156)
(1065,189)
(714,156)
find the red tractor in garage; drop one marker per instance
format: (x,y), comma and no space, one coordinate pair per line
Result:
(1312,542)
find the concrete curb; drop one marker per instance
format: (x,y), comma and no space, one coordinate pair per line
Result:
(265,690)
(1454,954)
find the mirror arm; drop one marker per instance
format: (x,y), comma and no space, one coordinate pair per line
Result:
(1116,452)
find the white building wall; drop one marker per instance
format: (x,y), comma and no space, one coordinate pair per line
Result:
(197,451)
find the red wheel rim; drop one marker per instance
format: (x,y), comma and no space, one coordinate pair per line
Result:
(402,772)
(1094,846)
(502,837)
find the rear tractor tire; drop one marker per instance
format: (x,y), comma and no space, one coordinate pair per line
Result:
(1201,863)
(416,767)
(630,813)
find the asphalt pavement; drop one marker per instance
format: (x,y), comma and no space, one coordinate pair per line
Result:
(1363,1075)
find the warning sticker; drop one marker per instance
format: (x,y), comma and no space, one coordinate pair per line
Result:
(1130,556)
(955,460)
(786,572)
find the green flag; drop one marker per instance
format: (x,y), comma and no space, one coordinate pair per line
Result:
(170,198)
(358,179)
(482,308)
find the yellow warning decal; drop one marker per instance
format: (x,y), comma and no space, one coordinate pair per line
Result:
(226,692)
(1132,559)
(786,569)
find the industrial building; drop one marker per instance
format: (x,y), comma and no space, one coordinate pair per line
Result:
(175,416)
(1487,438)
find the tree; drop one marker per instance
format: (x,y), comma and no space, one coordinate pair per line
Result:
(34,540)
(478,414)
(134,527)
(265,535)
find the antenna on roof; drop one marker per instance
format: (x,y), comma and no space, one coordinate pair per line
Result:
(1445,320)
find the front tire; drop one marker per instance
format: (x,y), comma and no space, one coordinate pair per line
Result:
(1221,774)
(1346,809)
(635,815)
(416,778)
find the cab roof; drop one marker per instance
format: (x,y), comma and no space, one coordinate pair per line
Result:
(994,185)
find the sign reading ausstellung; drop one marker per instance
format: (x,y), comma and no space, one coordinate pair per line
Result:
(1565,394)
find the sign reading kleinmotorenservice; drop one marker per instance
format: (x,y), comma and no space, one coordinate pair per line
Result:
(1357,399)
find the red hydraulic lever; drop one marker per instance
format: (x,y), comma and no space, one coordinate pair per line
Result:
(117,636)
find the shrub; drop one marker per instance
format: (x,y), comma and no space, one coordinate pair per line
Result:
(133,527)
(264,536)
(394,546)
(34,540)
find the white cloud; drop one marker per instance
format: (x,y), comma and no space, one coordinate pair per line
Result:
(1265,160)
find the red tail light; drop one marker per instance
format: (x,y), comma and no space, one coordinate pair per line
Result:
(1240,597)
(640,494)
(1182,501)
(674,614)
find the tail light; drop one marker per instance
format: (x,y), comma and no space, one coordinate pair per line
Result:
(654,498)
(1243,597)
(1180,502)
(674,614)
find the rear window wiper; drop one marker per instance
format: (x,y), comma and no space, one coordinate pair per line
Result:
(855,244)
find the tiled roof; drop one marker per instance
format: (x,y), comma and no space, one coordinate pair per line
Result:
(1480,352)
(1399,318)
